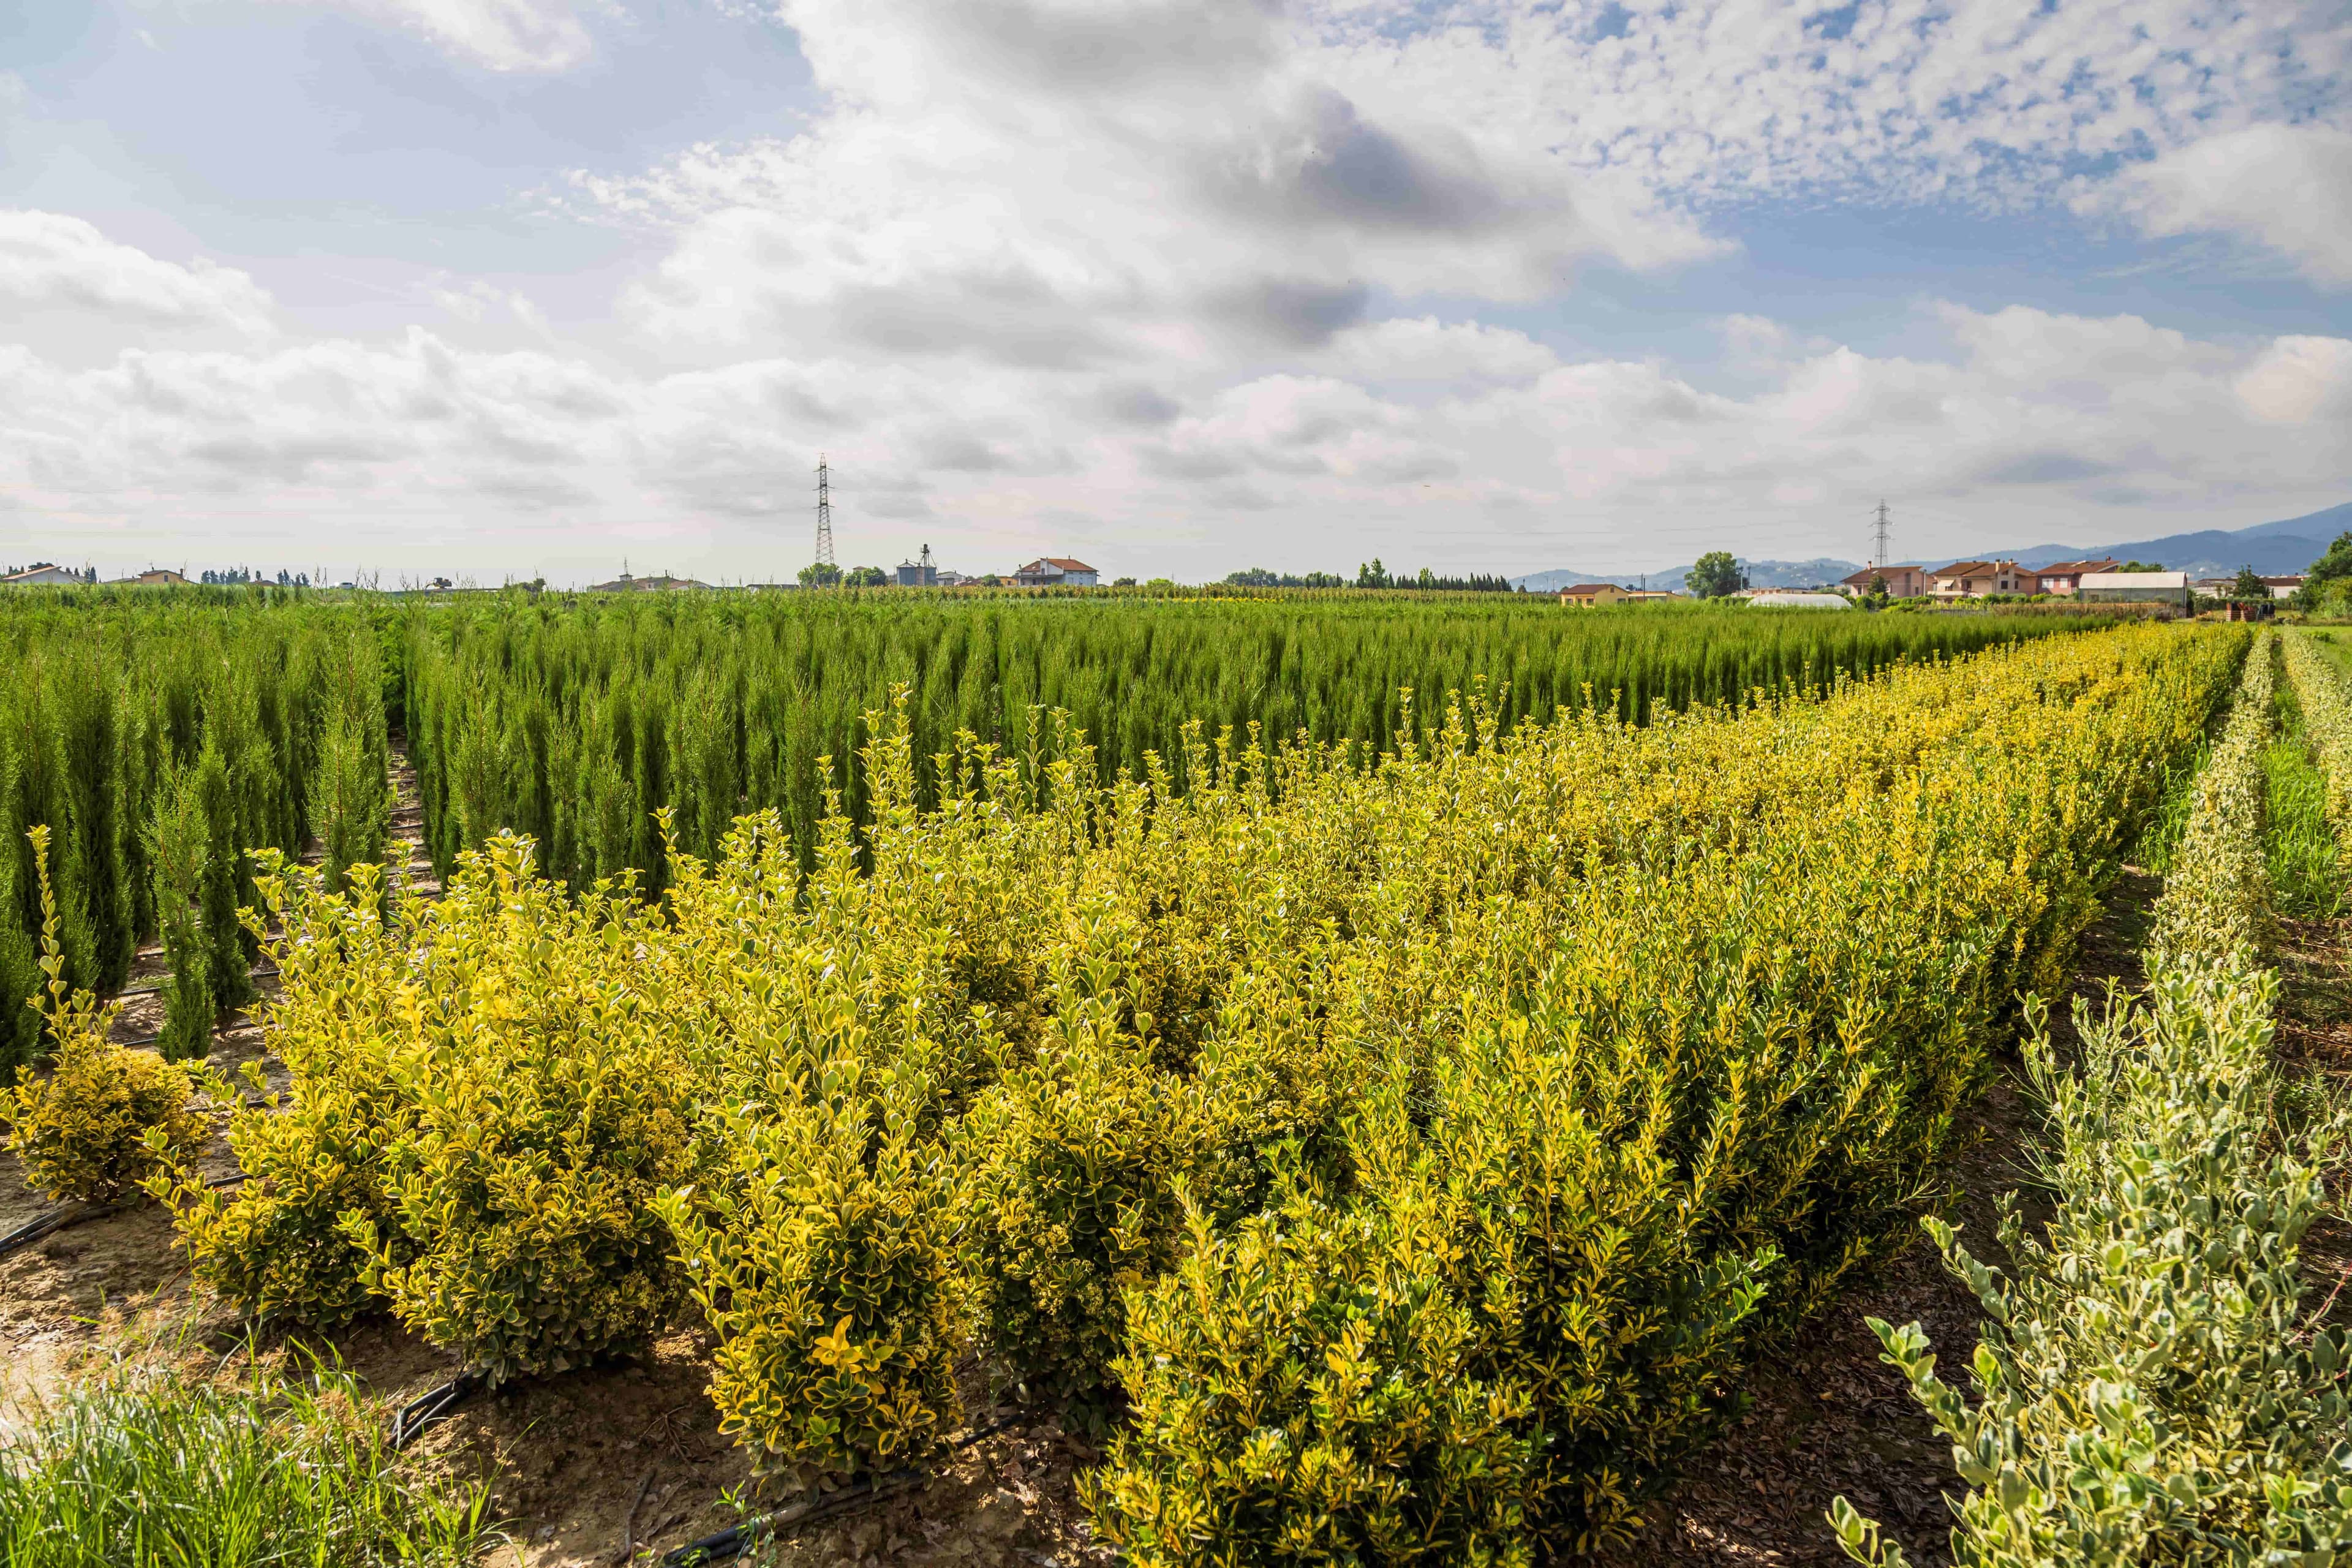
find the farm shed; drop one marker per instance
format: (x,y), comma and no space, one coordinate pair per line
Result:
(1776,600)
(2135,588)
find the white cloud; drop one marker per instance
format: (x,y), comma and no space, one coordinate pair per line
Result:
(49,261)
(1487,469)
(1079,183)
(2285,186)
(498,35)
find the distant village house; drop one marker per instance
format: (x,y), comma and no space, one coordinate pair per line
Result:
(1055,572)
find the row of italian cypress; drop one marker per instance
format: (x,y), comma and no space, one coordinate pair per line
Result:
(160,735)
(574,718)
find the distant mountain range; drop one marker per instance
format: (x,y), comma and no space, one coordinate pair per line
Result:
(2273,549)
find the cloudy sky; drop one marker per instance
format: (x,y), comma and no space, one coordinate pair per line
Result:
(510,287)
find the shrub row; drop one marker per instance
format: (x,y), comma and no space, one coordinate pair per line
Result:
(159,736)
(1395,1158)
(2148,1388)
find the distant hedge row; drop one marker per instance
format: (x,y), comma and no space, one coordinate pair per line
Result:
(573,720)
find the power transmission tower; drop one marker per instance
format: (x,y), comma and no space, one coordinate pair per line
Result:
(823,513)
(1880,533)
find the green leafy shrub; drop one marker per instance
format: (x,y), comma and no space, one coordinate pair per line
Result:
(820,1252)
(538,1120)
(282,1242)
(106,1118)
(1307,1389)
(1081,1152)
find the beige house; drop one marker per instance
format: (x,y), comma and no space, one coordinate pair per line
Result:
(1585,595)
(1902,582)
(2065,578)
(154,577)
(1975,579)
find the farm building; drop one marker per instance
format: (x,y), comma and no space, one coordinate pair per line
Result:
(1055,572)
(1796,599)
(41,575)
(153,577)
(1585,595)
(2135,588)
(661,582)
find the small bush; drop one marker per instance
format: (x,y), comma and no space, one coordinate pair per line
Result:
(1081,1152)
(539,1118)
(107,1118)
(152,1465)
(1305,1391)
(820,1252)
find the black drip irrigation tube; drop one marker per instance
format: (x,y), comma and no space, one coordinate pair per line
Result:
(813,1509)
(432,1405)
(58,1219)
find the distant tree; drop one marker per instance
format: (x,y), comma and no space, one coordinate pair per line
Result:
(819,574)
(1122,582)
(867,577)
(1716,575)
(1161,583)
(2334,567)
(2249,585)
(2141,566)
(1878,584)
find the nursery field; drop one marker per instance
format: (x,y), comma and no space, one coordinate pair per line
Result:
(1017,1106)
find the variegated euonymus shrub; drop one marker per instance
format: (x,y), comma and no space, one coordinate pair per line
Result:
(2149,1389)
(1570,1062)
(105,1118)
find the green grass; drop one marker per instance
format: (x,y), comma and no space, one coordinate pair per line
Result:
(2298,842)
(150,1465)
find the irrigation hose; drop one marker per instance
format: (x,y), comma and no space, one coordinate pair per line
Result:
(727,1544)
(58,1219)
(432,1405)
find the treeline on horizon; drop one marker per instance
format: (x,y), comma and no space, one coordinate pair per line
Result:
(574,718)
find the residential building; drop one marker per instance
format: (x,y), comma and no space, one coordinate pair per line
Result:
(2281,587)
(1585,595)
(1055,572)
(1975,579)
(2065,578)
(41,575)
(1904,582)
(2135,588)
(153,577)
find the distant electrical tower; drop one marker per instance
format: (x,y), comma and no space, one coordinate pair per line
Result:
(823,513)
(1879,534)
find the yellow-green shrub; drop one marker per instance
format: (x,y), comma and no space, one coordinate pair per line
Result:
(1330,1408)
(278,1243)
(819,1250)
(107,1118)
(541,1120)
